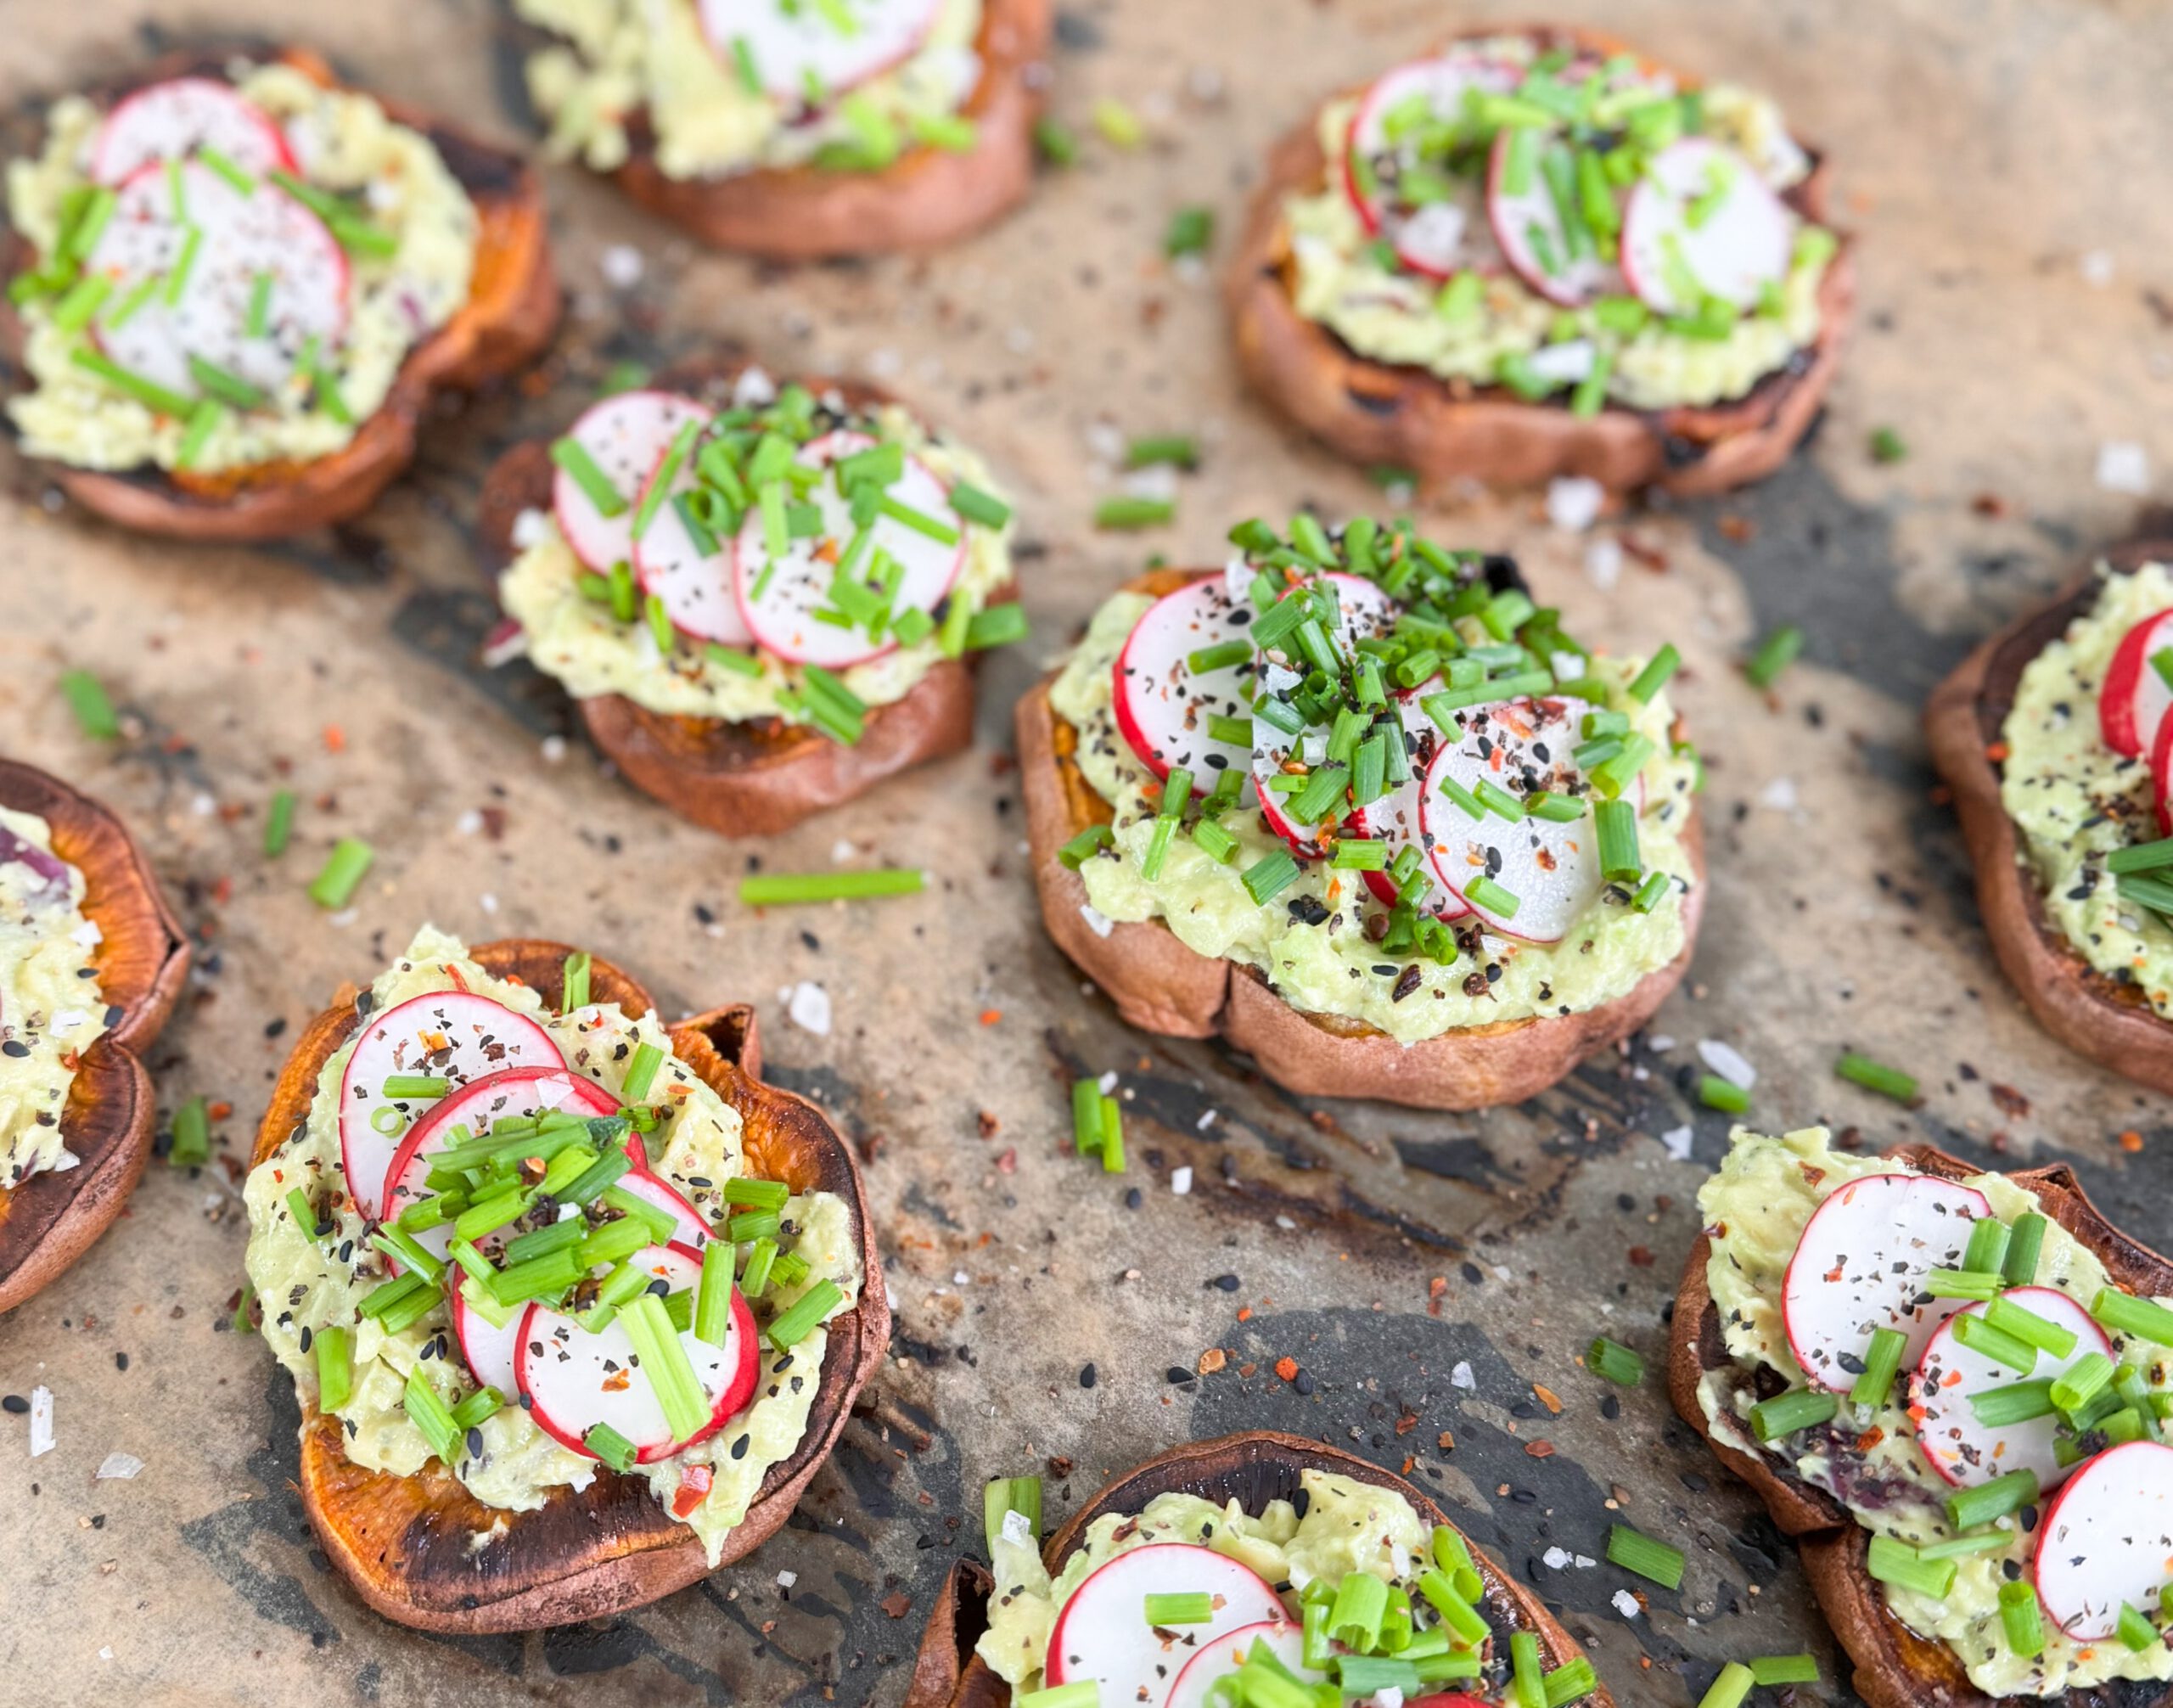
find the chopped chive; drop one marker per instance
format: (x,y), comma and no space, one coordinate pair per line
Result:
(1125,513)
(1636,1552)
(1650,891)
(807,1313)
(86,698)
(607,1445)
(147,392)
(1893,1562)
(1715,1093)
(572,455)
(1775,654)
(279,824)
(641,1071)
(1613,1362)
(1191,231)
(1862,1069)
(1799,1409)
(2020,1621)
(2004,1496)
(784,889)
(1874,1385)
(2125,1314)
(334,885)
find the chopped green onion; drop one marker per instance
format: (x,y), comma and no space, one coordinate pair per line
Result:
(1978,1333)
(1775,654)
(2125,1314)
(1125,513)
(86,698)
(1119,125)
(1798,1409)
(1619,861)
(334,886)
(2027,1326)
(192,1135)
(1005,1495)
(1634,1552)
(1893,1562)
(807,1312)
(335,1368)
(150,394)
(1961,1284)
(2016,1402)
(1527,1688)
(1862,1069)
(610,1447)
(2084,1379)
(1268,876)
(1650,891)
(1485,893)
(1729,1690)
(1882,1364)
(1613,1362)
(1986,1502)
(1193,1607)
(1715,1093)
(279,824)
(786,889)
(2025,1239)
(1191,231)
(977,506)
(2135,1631)
(1083,846)
(1887,446)
(1355,1616)
(431,1414)
(1987,1252)
(2021,1620)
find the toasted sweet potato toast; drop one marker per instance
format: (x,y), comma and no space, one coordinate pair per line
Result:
(739,779)
(409,1545)
(1159,985)
(1252,1468)
(1894,1667)
(51,1219)
(512,312)
(2097,1017)
(1407,417)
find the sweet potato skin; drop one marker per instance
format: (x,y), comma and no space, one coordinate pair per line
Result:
(512,312)
(403,1543)
(53,1218)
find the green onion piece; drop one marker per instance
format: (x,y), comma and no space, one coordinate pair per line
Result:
(415,1085)
(1268,876)
(279,824)
(713,1302)
(192,241)
(384,1296)
(150,394)
(1729,1690)
(1056,144)
(431,1414)
(1355,1618)
(1786,1414)
(258,322)
(1008,1495)
(641,1071)
(334,886)
(787,888)
(1219,656)
(1650,891)
(1775,654)
(1987,1252)
(1527,1688)
(1176,449)
(1612,1362)
(2021,1620)
(1862,1069)
(573,981)
(84,299)
(2025,1239)
(977,506)
(303,1213)
(2135,1631)
(192,1135)
(1086,1115)
(1126,514)
(2141,856)
(1968,1509)
(1785,1669)
(2082,1381)
(1191,231)
(1555,809)
(807,1312)
(1464,1621)
(1965,1547)
(1112,1156)
(2015,1402)
(1083,1694)
(753,1224)
(1978,1335)
(1882,1364)
(1897,1563)
(1715,1093)
(483,1403)
(952,132)
(2125,1314)
(1119,125)
(126,308)
(1619,861)
(2027,1326)
(86,698)
(227,387)
(1962,1284)
(998,625)
(202,422)
(1567,1682)
(1634,1551)
(1887,446)
(610,1447)
(760,1194)
(335,1368)
(755,1276)
(665,1361)
(1486,893)
(1194,1607)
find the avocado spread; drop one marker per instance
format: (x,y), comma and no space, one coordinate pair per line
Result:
(1483,324)
(409,254)
(309,1281)
(2075,801)
(711,116)
(1755,1208)
(50,1008)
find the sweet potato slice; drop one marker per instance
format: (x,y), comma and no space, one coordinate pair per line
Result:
(407,1544)
(48,1221)
(928,198)
(1252,1468)
(511,313)
(1160,985)
(2093,1014)
(1407,417)
(739,779)
(1894,1667)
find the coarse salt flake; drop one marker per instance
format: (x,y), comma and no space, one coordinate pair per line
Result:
(118,1468)
(807,1006)
(1728,1062)
(2122,466)
(1460,1376)
(1100,923)
(1573,502)
(41,1421)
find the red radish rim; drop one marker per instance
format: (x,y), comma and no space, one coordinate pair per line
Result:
(724,53)
(564,488)
(108,124)
(2116,698)
(1260,1630)
(1128,725)
(2049,1518)
(1946,1327)
(2161,773)
(1053,1660)
(1536,280)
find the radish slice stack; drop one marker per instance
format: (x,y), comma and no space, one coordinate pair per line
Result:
(1965,1452)
(2132,703)
(1163,705)
(1398,818)
(1703,219)
(1436,222)
(174,120)
(626,436)
(1528,225)
(691,573)
(1102,1633)
(801,55)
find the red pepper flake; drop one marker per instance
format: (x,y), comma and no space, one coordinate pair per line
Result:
(1244,1313)
(897,1605)
(1869,1439)
(219,1110)
(990,1016)
(1547,1399)
(1997,752)
(2131,1140)
(1642,1255)
(694,1489)
(1540,1450)
(335,738)
(1287,1368)
(1446,1442)
(617,1382)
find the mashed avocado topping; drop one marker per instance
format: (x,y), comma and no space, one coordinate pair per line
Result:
(596,635)
(2076,801)
(302,340)
(1413,966)
(50,1007)
(317,1276)
(700,89)
(1401,253)
(1868,1458)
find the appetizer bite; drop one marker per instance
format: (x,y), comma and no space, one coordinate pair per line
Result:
(90,962)
(765,599)
(574,1305)
(1357,804)
(799,132)
(1192,1578)
(235,285)
(1949,1388)
(1530,254)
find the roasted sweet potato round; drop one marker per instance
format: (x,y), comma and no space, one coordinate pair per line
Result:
(408,1544)
(48,1221)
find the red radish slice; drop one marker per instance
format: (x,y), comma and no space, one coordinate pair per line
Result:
(172,120)
(575,1380)
(1162,707)
(1397,819)
(1434,239)
(1218,1660)
(798,50)
(626,437)
(2161,774)
(452,1035)
(694,1229)
(779,601)
(488,1350)
(1741,245)
(1520,746)
(2107,1540)
(1860,1265)
(2135,698)
(1102,1632)
(238,238)
(694,583)
(1955,1444)
(1529,229)
(478,1106)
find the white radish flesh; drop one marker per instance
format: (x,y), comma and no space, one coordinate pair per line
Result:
(488,1349)
(237,239)
(1965,1452)
(172,120)
(1860,1264)
(801,56)
(626,437)
(1529,226)
(1217,1659)
(1163,705)
(2107,1540)
(1397,822)
(693,1230)
(692,576)
(1702,214)
(1435,237)
(450,1034)
(2132,703)
(778,598)
(575,1380)
(1102,1632)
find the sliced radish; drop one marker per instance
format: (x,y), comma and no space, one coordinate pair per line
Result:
(692,577)
(2107,1540)
(1435,237)
(1860,1265)
(693,1230)
(801,55)
(1396,820)
(1740,246)
(574,1379)
(1956,1445)
(626,437)
(2135,699)
(1162,706)
(239,240)
(779,600)
(520,1093)
(451,1035)
(1102,1633)
(488,1349)
(1520,746)
(172,120)
(1217,1659)
(1529,229)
